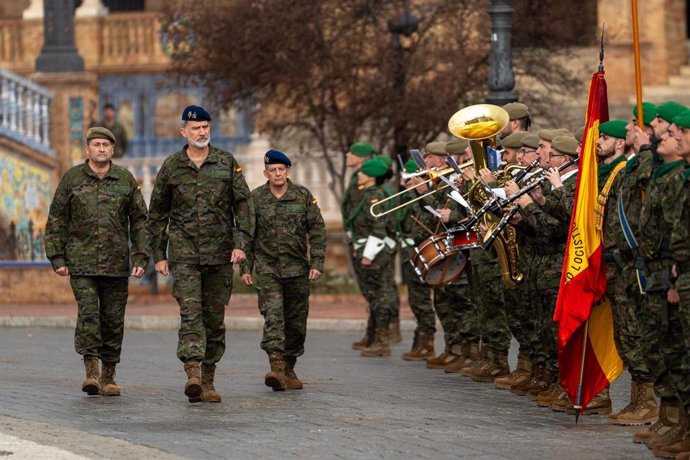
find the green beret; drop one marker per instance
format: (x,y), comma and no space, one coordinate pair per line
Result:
(549,134)
(436,148)
(514,141)
(99,132)
(362,149)
(682,120)
(565,144)
(648,112)
(531,141)
(456,146)
(614,128)
(669,109)
(374,168)
(516,110)
(385,159)
(411,166)
(579,132)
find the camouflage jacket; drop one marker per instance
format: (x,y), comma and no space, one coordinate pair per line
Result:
(680,234)
(203,213)
(659,214)
(361,224)
(350,197)
(279,246)
(91,221)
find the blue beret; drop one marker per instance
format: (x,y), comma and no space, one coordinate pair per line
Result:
(273,157)
(195,113)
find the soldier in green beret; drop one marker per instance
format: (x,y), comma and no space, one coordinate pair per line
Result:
(97,209)
(286,254)
(201,221)
(519,119)
(110,122)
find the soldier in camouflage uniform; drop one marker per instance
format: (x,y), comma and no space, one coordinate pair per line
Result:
(109,121)
(201,220)
(287,219)
(371,253)
(357,154)
(98,207)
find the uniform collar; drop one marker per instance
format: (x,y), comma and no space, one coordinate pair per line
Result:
(86,169)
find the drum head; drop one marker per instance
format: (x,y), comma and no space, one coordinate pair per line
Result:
(447,270)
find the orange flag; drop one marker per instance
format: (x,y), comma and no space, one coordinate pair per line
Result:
(587,356)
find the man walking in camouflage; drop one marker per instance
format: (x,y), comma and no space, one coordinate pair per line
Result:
(201,220)
(97,208)
(286,254)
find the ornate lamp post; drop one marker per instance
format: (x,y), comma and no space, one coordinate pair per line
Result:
(501,78)
(406,24)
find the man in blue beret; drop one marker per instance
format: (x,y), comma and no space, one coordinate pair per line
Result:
(201,221)
(285,256)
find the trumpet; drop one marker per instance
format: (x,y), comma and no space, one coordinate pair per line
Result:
(434,177)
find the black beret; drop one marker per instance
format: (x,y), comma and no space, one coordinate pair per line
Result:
(273,157)
(195,113)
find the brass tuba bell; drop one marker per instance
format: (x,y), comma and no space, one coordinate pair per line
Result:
(479,124)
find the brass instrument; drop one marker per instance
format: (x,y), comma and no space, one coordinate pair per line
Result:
(434,177)
(480,124)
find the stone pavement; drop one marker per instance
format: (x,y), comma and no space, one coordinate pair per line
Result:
(351,407)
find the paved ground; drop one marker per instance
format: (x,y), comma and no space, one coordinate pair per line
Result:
(351,407)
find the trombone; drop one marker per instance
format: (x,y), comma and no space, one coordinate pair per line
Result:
(434,177)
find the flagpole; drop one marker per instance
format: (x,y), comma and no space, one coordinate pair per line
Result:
(578,403)
(638,73)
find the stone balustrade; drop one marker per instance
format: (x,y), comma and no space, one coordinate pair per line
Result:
(24,115)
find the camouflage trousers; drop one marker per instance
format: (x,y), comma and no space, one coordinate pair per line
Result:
(492,320)
(683,382)
(284,304)
(519,310)
(392,295)
(202,291)
(372,283)
(419,297)
(549,269)
(626,303)
(101,302)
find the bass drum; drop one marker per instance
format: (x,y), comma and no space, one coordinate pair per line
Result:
(437,263)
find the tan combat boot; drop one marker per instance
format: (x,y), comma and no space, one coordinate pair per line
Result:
(192,388)
(91,386)
(552,395)
(518,376)
(497,367)
(468,355)
(208,391)
(599,405)
(442,360)
(361,343)
(108,385)
(275,378)
(642,410)
(536,382)
(669,414)
(394,330)
(424,348)
(293,382)
(676,444)
(380,346)
(482,360)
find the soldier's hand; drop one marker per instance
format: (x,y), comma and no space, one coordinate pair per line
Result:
(162,267)
(137,272)
(672,296)
(639,138)
(247,279)
(445,214)
(62,271)
(237,256)
(511,187)
(554,177)
(487,175)
(314,274)
(366,262)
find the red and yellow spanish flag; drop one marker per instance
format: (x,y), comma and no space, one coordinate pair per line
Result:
(586,350)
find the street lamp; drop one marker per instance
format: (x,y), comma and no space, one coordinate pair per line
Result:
(501,79)
(406,24)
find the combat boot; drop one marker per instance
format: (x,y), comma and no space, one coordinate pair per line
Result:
(681,442)
(599,405)
(536,382)
(642,410)
(192,388)
(669,413)
(468,355)
(482,360)
(562,404)
(108,385)
(381,345)
(498,367)
(361,343)
(424,349)
(442,360)
(394,330)
(293,382)
(208,391)
(91,385)
(275,378)
(518,376)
